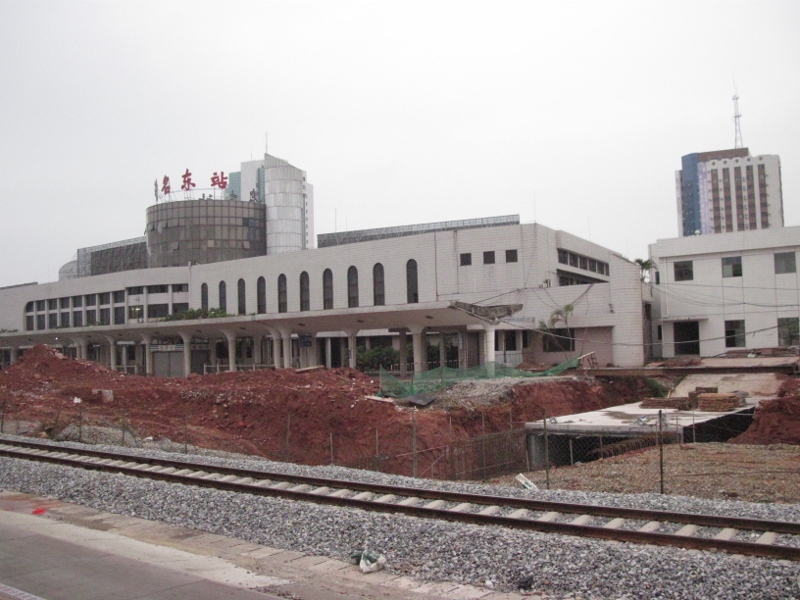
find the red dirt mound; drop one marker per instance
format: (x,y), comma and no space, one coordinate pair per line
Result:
(774,422)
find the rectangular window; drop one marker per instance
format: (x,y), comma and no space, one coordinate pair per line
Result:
(104,298)
(659,333)
(136,291)
(40,321)
(573,260)
(511,341)
(91,299)
(52,321)
(29,323)
(466,259)
(584,262)
(525,339)
(684,271)
(785,262)
(511,256)
(180,307)
(63,303)
(732,266)
(157,289)
(593,265)
(734,334)
(488,257)
(559,340)
(105,316)
(789,331)
(157,311)
(180,287)
(77,301)
(119,297)
(65,319)
(52,304)
(563,257)
(77,319)
(91,317)
(119,315)
(135,313)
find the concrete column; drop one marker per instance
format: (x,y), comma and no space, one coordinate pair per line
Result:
(14,354)
(463,355)
(187,353)
(442,349)
(314,351)
(352,349)
(276,351)
(112,353)
(137,356)
(417,341)
(148,354)
(342,351)
(403,352)
(124,358)
(488,353)
(231,338)
(328,347)
(287,351)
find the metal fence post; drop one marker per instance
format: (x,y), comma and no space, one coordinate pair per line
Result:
(414,442)
(3,417)
(546,453)
(661,450)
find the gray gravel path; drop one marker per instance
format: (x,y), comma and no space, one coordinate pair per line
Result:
(561,567)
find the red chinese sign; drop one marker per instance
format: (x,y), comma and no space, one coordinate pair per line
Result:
(187,181)
(220,180)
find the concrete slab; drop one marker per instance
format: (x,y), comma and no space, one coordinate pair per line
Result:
(755,384)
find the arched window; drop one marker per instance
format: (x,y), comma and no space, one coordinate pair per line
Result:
(327,289)
(352,287)
(261,292)
(223,298)
(242,304)
(204,296)
(378,288)
(412,286)
(305,292)
(283,304)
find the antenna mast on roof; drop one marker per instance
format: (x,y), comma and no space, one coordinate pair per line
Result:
(266,143)
(736,116)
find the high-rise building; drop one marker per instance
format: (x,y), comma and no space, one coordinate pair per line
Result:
(728,190)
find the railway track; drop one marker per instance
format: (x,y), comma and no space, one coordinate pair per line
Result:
(751,537)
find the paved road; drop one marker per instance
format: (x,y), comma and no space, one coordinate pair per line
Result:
(34,561)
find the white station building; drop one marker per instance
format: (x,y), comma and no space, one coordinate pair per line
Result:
(479,289)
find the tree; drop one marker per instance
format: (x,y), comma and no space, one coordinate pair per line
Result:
(645,266)
(557,316)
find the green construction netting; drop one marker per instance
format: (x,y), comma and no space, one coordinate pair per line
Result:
(442,377)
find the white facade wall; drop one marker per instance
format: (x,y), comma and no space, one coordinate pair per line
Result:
(606,315)
(759,297)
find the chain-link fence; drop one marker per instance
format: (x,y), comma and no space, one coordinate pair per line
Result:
(643,462)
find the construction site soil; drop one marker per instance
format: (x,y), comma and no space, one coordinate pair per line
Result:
(314,416)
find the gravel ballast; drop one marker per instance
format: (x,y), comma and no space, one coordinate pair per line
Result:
(561,567)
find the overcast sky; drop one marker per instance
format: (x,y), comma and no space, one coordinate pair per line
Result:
(572,114)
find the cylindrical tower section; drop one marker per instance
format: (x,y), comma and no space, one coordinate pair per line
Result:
(285,200)
(204,231)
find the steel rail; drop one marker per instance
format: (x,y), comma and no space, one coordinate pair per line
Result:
(318,490)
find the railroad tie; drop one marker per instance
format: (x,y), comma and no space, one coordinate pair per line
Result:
(614,523)
(726,534)
(549,516)
(767,538)
(687,530)
(489,510)
(413,500)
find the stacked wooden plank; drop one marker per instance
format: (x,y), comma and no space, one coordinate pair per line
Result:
(719,402)
(674,403)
